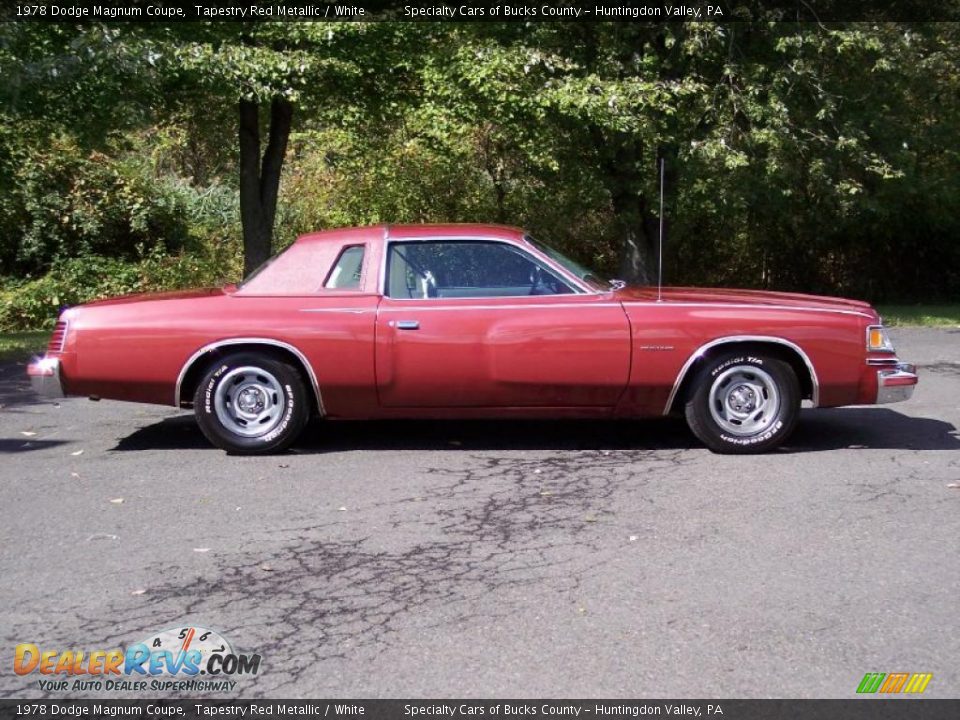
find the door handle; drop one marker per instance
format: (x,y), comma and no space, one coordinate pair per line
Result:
(408,325)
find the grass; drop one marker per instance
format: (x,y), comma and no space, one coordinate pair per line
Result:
(923,315)
(22,344)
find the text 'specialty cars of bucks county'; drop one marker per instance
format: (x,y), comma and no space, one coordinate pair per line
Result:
(469,321)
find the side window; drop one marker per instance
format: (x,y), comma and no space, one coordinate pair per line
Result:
(466,269)
(345,274)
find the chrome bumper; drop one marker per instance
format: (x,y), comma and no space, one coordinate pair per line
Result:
(896,383)
(44,376)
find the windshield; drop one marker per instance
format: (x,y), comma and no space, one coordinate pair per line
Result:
(583,273)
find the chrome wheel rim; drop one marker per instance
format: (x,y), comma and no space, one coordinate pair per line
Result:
(744,400)
(249,401)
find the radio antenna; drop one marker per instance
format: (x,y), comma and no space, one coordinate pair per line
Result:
(660,252)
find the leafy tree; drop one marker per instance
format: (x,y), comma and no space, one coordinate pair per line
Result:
(79,75)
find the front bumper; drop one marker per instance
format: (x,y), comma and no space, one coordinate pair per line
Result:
(896,383)
(44,376)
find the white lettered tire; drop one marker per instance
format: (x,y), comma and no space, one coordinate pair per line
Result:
(744,402)
(251,403)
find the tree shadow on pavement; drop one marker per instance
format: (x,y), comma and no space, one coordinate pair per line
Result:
(818,430)
(19,445)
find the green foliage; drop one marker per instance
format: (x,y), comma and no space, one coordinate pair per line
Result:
(922,315)
(800,156)
(22,344)
(35,303)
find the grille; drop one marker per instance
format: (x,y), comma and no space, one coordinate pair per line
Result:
(59,336)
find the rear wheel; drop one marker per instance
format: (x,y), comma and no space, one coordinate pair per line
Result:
(251,403)
(744,403)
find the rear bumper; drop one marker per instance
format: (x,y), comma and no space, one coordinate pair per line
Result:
(896,383)
(44,376)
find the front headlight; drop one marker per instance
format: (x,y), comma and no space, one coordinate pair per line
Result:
(878,340)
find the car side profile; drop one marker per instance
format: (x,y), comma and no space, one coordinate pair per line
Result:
(469,321)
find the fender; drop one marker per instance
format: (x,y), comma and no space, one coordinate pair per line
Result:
(698,353)
(250,341)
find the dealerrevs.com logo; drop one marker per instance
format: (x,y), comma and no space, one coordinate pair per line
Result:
(190,659)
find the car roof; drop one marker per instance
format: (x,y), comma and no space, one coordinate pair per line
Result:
(459,231)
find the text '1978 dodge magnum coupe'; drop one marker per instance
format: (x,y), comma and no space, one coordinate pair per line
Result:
(469,321)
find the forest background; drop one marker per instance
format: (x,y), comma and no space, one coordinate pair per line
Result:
(805,157)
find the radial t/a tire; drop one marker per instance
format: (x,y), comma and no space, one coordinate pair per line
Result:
(743,403)
(251,403)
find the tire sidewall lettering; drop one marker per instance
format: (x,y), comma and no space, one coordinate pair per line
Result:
(719,438)
(287,417)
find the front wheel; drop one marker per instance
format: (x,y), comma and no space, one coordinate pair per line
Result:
(744,403)
(250,403)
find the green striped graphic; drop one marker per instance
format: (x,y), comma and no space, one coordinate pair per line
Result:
(871,682)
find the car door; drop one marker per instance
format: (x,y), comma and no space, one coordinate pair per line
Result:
(486,324)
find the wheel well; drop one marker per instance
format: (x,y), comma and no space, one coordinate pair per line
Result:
(771,349)
(200,365)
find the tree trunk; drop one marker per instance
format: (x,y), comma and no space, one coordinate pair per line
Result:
(621,158)
(638,237)
(260,177)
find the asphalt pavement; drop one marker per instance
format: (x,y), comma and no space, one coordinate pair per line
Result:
(495,559)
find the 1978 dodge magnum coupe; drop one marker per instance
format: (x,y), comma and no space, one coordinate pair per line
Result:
(466,321)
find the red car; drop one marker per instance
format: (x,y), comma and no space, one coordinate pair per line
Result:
(468,321)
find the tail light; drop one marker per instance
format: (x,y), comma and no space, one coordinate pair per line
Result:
(58,338)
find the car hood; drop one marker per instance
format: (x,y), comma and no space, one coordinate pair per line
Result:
(742,297)
(169,295)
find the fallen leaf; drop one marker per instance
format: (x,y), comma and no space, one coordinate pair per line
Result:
(633,538)
(201,550)
(78,452)
(102,536)
(138,592)
(341,509)
(117,501)
(284,465)
(238,507)
(546,493)
(954,485)
(266,568)
(582,610)
(537,471)
(27,433)
(74,475)
(590,518)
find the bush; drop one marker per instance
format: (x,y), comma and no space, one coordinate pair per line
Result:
(35,303)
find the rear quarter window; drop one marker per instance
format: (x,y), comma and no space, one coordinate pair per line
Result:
(306,269)
(347,271)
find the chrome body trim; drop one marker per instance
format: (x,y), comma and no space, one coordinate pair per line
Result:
(732,339)
(531,306)
(740,306)
(45,377)
(248,341)
(896,384)
(882,361)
